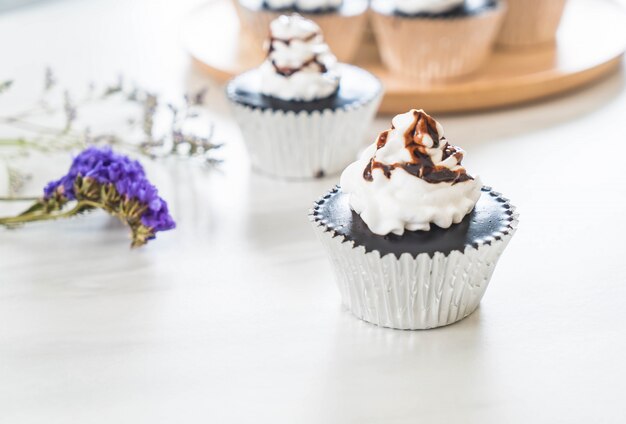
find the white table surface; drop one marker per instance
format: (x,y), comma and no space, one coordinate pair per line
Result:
(234,317)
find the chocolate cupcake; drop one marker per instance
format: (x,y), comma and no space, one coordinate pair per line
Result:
(342,21)
(435,39)
(413,238)
(530,22)
(302,114)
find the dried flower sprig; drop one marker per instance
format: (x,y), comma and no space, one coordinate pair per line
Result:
(176,140)
(17,180)
(102,179)
(5,85)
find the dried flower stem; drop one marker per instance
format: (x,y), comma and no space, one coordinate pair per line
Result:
(18,199)
(37,215)
(17,142)
(29,126)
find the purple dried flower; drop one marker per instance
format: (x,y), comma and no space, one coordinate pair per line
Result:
(99,177)
(101,164)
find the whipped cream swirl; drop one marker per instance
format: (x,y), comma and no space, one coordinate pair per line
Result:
(304,5)
(413,7)
(299,65)
(410,178)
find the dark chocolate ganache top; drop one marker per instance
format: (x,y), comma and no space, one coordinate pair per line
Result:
(491,218)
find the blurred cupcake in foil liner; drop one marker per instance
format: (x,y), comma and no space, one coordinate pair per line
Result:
(530,22)
(436,39)
(343,22)
(302,114)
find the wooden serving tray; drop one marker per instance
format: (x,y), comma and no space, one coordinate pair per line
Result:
(590,44)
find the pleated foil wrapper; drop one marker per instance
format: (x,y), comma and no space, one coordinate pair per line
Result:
(408,292)
(342,32)
(530,22)
(304,145)
(436,48)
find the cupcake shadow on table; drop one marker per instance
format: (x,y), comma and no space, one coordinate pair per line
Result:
(302,114)
(412,237)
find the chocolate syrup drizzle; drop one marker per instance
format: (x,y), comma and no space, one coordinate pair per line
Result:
(421,165)
(287,71)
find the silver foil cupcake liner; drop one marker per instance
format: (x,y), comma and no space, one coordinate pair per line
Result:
(408,292)
(305,144)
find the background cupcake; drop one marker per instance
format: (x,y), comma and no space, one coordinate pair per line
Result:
(435,39)
(342,21)
(530,22)
(302,114)
(413,238)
